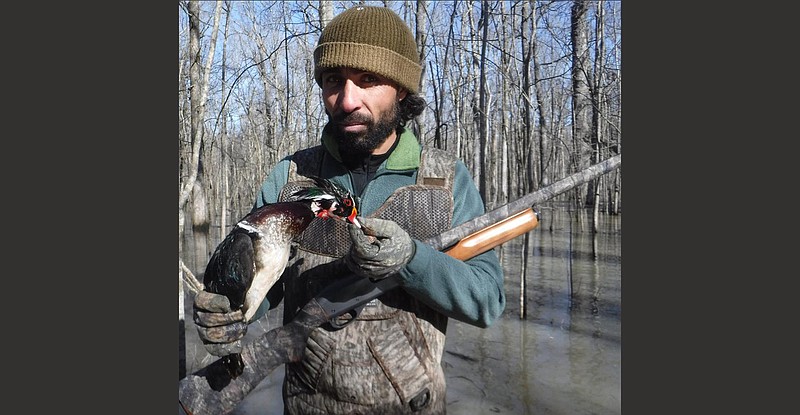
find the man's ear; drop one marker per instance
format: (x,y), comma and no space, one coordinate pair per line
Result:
(401,94)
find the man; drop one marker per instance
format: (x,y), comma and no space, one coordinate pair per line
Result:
(388,360)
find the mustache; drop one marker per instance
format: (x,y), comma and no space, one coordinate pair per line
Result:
(351,118)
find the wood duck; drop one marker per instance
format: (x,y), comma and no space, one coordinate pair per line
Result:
(252,257)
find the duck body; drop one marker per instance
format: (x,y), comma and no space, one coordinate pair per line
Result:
(252,256)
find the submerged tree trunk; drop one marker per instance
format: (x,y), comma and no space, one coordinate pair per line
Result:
(523,279)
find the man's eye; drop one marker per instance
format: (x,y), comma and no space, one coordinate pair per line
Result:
(330,80)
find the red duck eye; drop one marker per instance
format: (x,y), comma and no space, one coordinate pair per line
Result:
(348,202)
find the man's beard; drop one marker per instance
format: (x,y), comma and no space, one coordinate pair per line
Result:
(364,143)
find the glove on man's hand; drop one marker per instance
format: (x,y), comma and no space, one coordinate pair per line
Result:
(383,250)
(219,328)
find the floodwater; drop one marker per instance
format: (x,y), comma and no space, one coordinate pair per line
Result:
(564,357)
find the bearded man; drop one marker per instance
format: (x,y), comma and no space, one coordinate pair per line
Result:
(388,359)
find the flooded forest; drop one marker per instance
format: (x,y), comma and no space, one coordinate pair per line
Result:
(526,93)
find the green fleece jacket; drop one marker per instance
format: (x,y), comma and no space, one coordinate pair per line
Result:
(470,291)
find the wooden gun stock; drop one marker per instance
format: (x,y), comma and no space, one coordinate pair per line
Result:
(495,235)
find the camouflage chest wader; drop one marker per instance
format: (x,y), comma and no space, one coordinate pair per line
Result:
(387,361)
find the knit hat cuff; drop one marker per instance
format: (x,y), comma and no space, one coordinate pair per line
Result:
(382,61)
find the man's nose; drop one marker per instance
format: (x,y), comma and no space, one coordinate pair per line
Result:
(350,97)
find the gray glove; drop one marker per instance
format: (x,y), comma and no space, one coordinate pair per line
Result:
(220,329)
(383,250)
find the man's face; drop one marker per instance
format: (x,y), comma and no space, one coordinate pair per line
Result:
(362,107)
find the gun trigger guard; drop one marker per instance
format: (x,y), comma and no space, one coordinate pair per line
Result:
(345,319)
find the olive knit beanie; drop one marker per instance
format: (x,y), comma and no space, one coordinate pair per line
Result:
(373,39)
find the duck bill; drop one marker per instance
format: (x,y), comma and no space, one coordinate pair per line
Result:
(352,219)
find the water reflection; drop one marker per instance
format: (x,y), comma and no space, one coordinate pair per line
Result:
(565,358)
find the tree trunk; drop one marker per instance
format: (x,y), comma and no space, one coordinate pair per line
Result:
(597,112)
(545,157)
(223,222)
(581,100)
(421,38)
(199,95)
(483,104)
(325,13)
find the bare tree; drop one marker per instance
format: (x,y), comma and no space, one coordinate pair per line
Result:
(325,13)
(420,35)
(527,49)
(597,113)
(199,84)
(438,81)
(224,131)
(482,113)
(581,99)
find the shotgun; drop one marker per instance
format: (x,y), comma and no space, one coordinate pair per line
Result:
(211,390)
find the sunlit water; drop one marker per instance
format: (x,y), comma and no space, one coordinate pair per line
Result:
(563,358)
